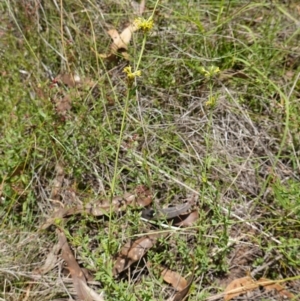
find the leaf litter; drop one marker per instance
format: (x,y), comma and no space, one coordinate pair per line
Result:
(183,294)
(247,284)
(84,293)
(121,40)
(132,252)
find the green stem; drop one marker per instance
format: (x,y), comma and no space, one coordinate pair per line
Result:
(123,124)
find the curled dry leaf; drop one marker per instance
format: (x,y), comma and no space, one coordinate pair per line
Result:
(189,220)
(175,279)
(84,293)
(243,285)
(132,252)
(120,42)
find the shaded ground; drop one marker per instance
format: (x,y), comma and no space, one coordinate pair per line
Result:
(213,121)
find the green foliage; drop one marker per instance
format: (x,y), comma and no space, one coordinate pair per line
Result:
(213,112)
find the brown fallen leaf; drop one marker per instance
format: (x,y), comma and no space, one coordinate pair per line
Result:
(70,80)
(238,287)
(189,220)
(174,278)
(84,293)
(63,104)
(243,285)
(273,285)
(132,252)
(2,185)
(120,42)
(143,195)
(183,294)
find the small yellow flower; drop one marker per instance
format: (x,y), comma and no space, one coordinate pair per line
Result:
(143,24)
(210,72)
(211,101)
(131,75)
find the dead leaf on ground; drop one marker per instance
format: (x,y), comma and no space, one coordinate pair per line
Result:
(143,195)
(84,293)
(76,85)
(189,220)
(273,285)
(120,42)
(183,294)
(70,80)
(131,252)
(243,285)
(63,104)
(175,279)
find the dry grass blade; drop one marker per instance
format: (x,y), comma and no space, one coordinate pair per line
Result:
(83,291)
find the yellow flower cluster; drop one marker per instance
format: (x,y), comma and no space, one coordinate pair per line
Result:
(131,75)
(211,101)
(143,24)
(210,72)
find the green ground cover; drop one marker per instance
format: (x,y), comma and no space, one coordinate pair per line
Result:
(212,120)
